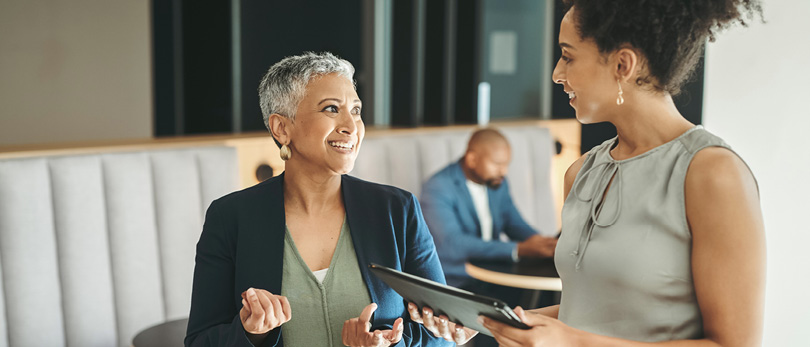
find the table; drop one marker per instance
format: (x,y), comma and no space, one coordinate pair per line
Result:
(169,334)
(531,273)
(535,274)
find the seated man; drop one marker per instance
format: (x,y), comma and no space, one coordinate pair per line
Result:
(467,207)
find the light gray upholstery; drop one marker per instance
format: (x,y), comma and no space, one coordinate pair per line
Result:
(94,248)
(409,158)
(28,255)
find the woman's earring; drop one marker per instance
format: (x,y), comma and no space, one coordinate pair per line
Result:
(285,153)
(620,99)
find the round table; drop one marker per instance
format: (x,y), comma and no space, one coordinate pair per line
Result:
(169,334)
(536,274)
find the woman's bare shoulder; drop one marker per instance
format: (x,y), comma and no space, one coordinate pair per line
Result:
(718,170)
(719,187)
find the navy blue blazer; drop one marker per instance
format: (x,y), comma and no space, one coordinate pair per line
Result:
(242,245)
(451,217)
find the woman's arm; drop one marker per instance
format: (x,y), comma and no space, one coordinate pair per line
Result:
(728,263)
(728,247)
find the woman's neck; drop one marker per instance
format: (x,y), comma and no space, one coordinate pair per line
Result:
(311,193)
(646,124)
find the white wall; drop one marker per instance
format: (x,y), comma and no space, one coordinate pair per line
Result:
(74,70)
(757,98)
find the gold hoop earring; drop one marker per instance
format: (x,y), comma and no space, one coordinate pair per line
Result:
(620,99)
(285,153)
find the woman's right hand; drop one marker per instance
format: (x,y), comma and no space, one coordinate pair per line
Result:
(441,326)
(262,311)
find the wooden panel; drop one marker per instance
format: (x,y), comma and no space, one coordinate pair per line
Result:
(253,152)
(567,132)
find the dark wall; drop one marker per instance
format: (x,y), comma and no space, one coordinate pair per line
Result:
(403,112)
(165,122)
(435,55)
(272,30)
(199,76)
(193,49)
(465,65)
(207,66)
(468,62)
(193,68)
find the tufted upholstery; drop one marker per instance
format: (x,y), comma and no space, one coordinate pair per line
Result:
(406,159)
(94,248)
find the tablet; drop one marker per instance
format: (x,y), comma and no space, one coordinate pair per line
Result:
(458,305)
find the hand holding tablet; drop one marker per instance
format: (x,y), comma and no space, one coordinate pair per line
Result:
(441,326)
(446,303)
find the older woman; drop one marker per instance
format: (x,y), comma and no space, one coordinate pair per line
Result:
(662,238)
(285,262)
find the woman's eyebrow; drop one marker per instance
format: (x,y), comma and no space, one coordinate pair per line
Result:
(566,45)
(329,99)
(356,101)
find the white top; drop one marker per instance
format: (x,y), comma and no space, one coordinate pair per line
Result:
(320,274)
(480,199)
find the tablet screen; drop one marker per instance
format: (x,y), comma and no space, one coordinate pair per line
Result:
(458,305)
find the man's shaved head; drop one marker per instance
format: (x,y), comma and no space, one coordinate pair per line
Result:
(487,158)
(485,139)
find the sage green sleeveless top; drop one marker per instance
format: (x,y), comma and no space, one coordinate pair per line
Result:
(319,309)
(625,263)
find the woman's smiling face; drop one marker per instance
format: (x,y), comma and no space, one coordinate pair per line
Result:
(585,74)
(328,130)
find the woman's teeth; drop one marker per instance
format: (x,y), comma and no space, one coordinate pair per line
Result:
(343,145)
(571,95)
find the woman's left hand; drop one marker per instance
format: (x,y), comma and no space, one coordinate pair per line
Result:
(545,331)
(357,331)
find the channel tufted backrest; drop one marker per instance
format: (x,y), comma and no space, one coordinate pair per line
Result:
(406,159)
(94,248)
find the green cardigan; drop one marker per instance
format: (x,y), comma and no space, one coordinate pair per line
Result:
(319,309)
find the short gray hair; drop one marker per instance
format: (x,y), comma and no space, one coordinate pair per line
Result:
(285,84)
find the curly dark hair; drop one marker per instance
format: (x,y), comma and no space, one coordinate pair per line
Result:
(670,34)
